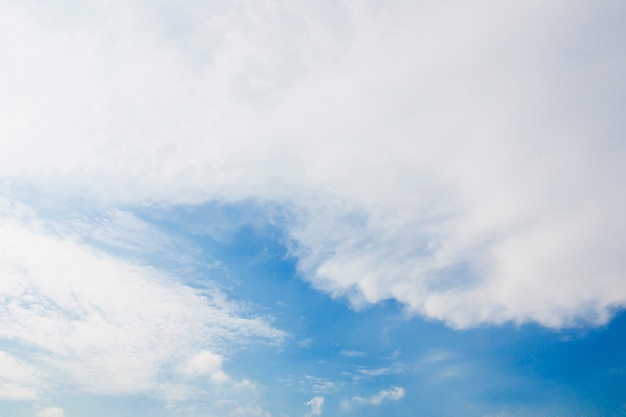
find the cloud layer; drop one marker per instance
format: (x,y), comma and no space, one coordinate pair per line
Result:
(18,380)
(463,159)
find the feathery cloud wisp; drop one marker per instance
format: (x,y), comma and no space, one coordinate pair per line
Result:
(392,394)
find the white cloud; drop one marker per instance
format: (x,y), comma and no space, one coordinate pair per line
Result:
(102,324)
(376,371)
(463,159)
(51,412)
(392,394)
(352,353)
(10,391)
(249,411)
(317,406)
(363,373)
(175,393)
(203,363)
(19,381)
(319,385)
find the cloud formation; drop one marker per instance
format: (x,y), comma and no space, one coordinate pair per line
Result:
(392,394)
(317,406)
(205,363)
(19,381)
(465,160)
(103,324)
(51,412)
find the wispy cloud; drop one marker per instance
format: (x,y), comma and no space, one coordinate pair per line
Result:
(51,412)
(352,353)
(376,371)
(319,385)
(391,394)
(369,373)
(249,411)
(106,325)
(305,343)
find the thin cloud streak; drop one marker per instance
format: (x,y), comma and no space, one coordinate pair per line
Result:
(391,394)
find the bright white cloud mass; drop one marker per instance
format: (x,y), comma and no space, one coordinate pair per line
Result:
(463,159)
(460,159)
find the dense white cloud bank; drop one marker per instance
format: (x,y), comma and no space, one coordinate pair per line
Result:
(463,158)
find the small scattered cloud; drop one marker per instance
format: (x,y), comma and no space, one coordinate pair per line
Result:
(205,363)
(352,353)
(51,412)
(255,411)
(438,356)
(305,343)
(369,373)
(376,371)
(319,385)
(392,394)
(317,406)
(245,384)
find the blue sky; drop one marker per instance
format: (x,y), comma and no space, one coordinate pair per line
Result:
(299,209)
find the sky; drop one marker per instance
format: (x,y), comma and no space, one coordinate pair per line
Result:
(280,208)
